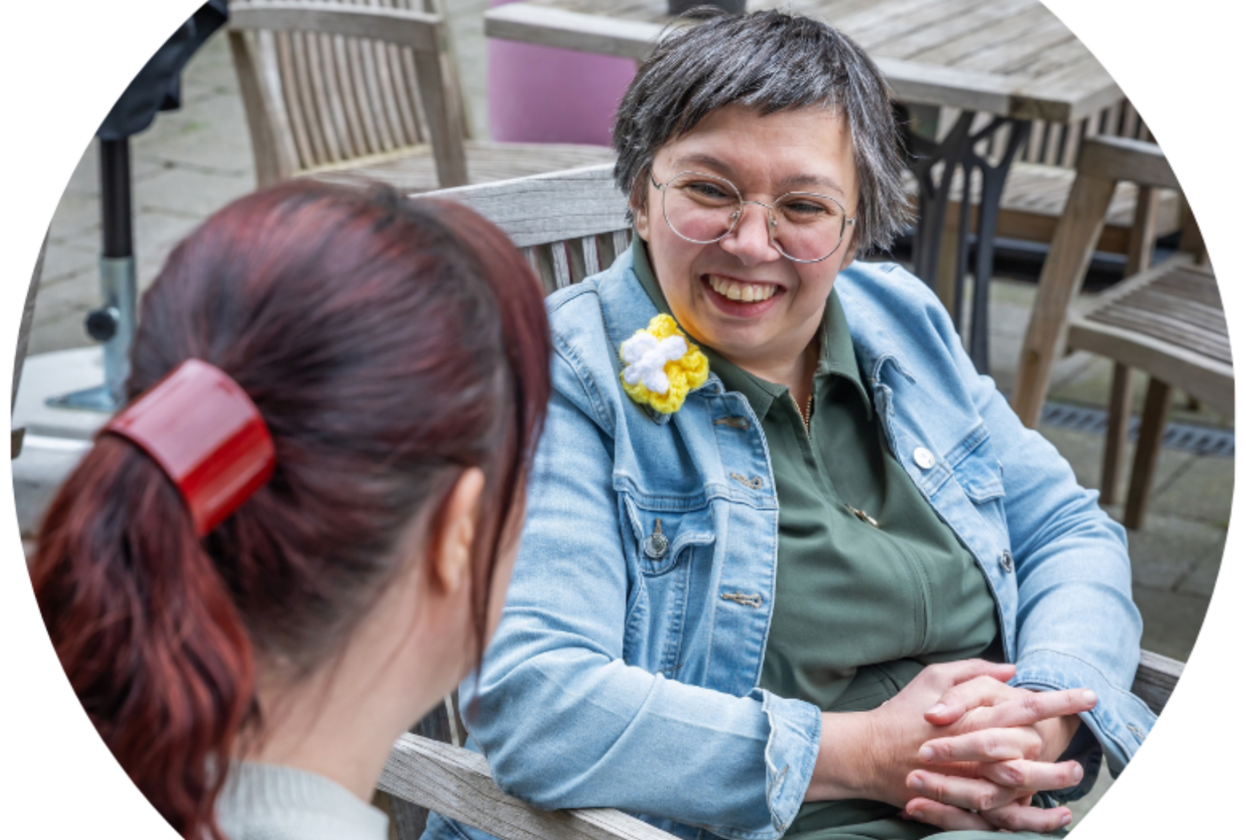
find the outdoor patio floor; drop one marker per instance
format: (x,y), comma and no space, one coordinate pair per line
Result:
(195,160)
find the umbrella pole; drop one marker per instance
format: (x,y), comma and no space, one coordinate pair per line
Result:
(112,324)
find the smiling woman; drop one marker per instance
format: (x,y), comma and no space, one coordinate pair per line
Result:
(742,290)
(838,591)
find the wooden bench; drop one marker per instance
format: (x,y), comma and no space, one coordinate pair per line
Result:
(425,774)
(569,225)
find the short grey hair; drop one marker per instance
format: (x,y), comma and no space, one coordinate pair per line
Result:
(768,61)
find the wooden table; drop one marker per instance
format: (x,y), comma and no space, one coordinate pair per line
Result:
(1010,58)
(1001,63)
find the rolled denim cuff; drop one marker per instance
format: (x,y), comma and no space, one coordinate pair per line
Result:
(1119,722)
(791,752)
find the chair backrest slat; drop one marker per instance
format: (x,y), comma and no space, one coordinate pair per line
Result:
(336,96)
(318,114)
(586,254)
(345,80)
(1059,145)
(291,92)
(568,224)
(562,265)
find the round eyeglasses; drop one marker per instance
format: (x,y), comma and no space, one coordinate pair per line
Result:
(804,227)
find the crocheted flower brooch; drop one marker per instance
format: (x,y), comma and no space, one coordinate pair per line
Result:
(662,365)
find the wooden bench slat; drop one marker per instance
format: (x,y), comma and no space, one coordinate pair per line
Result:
(456,783)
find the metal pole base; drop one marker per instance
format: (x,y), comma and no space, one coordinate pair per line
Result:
(99,398)
(113,326)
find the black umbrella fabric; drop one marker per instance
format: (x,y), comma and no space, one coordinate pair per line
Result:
(158,86)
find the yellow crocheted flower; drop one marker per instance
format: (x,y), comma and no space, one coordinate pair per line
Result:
(662,365)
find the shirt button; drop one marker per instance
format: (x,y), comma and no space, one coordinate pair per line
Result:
(923,458)
(1005,561)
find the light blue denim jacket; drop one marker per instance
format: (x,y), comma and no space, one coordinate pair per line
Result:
(621,680)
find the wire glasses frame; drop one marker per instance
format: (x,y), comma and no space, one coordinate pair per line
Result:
(706,202)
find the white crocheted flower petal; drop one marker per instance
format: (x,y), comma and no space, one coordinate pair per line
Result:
(656,380)
(672,348)
(637,347)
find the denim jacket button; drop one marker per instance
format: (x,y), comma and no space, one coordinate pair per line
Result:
(656,543)
(1005,560)
(923,458)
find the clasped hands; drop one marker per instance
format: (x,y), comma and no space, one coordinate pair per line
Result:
(957,748)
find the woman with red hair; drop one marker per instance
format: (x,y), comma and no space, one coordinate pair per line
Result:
(297,536)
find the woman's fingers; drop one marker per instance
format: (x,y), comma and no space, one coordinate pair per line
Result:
(1033,775)
(1018,817)
(1031,707)
(968,684)
(988,745)
(945,817)
(994,704)
(1015,816)
(970,794)
(971,693)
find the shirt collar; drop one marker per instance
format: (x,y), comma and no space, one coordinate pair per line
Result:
(836,356)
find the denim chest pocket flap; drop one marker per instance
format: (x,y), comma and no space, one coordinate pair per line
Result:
(662,537)
(978,472)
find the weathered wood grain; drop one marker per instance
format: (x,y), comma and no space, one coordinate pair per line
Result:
(1156,678)
(1063,272)
(349,90)
(1167,320)
(962,53)
(573,30)
(457,784)
(417,30)
(552,207)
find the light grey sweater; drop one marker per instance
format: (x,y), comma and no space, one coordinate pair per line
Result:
(270,802)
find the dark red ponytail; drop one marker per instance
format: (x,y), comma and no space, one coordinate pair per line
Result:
(388,344)
(145,627)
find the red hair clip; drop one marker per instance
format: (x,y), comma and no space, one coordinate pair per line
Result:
(206,434)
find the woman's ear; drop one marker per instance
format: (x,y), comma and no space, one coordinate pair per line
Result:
(450,543)
(639,205)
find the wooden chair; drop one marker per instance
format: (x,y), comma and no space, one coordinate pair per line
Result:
(569,225)
(23,340)
(1167,320)
(336,89)
(1041,178)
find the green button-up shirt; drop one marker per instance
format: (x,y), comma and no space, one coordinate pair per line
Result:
(871,585)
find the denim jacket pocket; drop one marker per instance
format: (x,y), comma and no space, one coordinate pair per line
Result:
(979,475)
(976,467)
(663,537)
(980,479)
(666,547)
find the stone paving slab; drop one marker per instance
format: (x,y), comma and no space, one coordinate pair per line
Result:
(1202,490)
(1084,452)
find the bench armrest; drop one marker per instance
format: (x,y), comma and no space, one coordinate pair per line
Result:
(1156,678)
(456,783)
